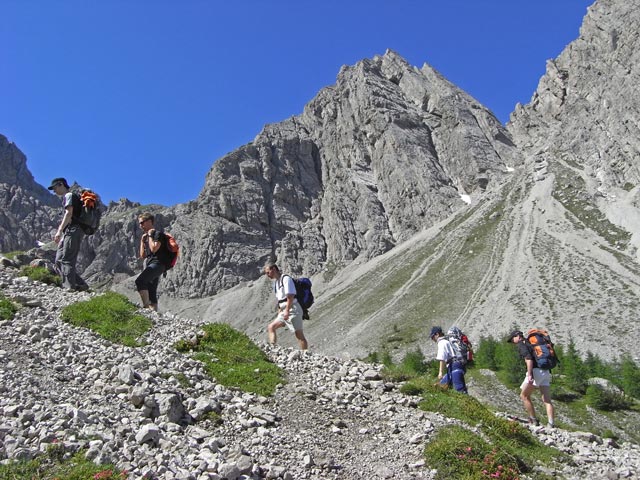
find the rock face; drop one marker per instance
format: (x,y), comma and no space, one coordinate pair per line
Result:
(583,118)
(381,155)
(585,106)
(26,208)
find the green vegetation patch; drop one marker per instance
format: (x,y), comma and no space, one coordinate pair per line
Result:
(7,308)
(452,277)
(12,255)
(51,466)
(508,448)
(570,190)
(459,453)
(111,316)
(234,360)
(40,274)
(499,448)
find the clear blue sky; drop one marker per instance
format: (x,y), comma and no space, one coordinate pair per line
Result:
(138,98)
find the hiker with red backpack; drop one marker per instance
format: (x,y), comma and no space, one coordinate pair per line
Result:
(537,351)
(68,236)
(452,366)
(289,309)
(157,260)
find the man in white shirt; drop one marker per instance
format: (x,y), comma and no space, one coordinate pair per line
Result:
(451,372)
(289,310)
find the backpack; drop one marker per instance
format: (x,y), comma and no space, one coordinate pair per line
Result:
(461,345)
(541,348)
(172,249)
(304,295)
(89,212)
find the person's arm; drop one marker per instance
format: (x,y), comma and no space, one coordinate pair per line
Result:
(143,253)
(287,307)
(66,220)
(529,363)
(442,370)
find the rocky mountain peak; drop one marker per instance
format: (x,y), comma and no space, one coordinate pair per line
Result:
(385,152)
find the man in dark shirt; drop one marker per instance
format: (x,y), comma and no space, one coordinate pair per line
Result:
(154,255)
(68,236)
(535,378)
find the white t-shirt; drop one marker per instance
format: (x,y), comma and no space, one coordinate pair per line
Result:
(445,350)
(283,287)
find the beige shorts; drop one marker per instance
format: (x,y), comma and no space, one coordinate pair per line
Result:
(295,318)
(541,378)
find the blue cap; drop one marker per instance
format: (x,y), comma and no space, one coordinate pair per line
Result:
(435,330)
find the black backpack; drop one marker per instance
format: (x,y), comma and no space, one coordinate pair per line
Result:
(304,295)
(89,212)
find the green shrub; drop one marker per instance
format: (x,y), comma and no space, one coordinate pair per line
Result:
(40,274)
(459,453)
(630,374)
(573,368)
(12,255)
(511,367)
(51,466)
(372,357)
(485,356)
(7,308)
(417,386)
(509,439)
(111,316)
(411,366)
(607,400)
(503,358)
(414,362)
(233,359)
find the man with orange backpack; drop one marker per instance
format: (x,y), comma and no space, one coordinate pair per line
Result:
(157,260)
(539,357)
(68,236)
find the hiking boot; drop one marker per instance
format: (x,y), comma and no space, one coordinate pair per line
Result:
(534,421)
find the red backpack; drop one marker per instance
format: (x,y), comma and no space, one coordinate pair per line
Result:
(173,249)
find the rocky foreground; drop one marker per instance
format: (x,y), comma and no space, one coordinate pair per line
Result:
(149,409)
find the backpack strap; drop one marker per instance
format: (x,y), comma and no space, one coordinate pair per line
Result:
(76,203)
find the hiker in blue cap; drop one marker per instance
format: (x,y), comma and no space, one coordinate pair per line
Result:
(451,372)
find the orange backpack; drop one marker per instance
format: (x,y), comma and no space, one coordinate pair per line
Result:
(542,348)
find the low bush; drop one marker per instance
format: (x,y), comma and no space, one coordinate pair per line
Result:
(412,366)
(459,453)
(51,466)
(508,443)
(111,316)
(40,274)
(608,400)
(12,255)
(7,308)
(233,359)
